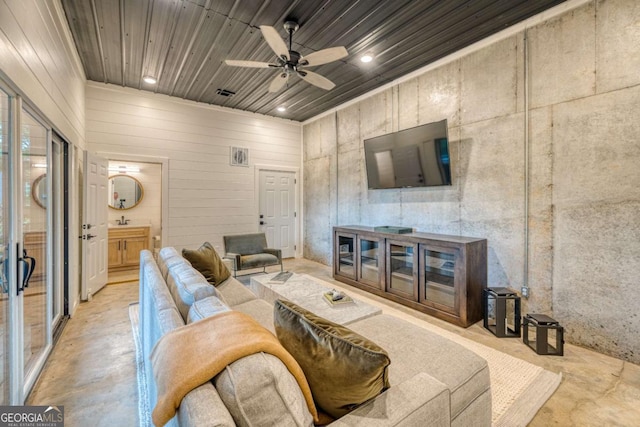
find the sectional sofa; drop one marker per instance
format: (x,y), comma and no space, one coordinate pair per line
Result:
(433,380)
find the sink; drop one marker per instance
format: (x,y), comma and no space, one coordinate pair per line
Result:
(130,225)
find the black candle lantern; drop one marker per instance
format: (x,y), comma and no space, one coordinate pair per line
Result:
(541,333)
(502,312)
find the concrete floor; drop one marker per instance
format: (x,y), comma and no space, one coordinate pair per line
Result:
(92,369)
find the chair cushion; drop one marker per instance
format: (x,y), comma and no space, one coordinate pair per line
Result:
(258,390)
(343,369)
(245,244)
(257,260)
(205,259)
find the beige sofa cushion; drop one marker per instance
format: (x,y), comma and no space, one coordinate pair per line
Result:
(258,390)
(187,286)
(465,373)
(207,307)
(343,369)
(234,292)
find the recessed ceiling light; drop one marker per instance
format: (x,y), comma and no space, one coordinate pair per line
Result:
(149,79)
(282,109)
(367,57)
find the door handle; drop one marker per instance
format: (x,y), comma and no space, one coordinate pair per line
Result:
(262,223)
(90,236)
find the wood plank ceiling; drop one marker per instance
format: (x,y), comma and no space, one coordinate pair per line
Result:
(183,43)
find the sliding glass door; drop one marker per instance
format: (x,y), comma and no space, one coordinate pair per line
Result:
(32,245)
(5,262)
(36,286)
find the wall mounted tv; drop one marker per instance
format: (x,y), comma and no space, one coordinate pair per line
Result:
(416,157)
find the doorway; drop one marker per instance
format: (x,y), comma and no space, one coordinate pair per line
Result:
(277,209)
(135,199)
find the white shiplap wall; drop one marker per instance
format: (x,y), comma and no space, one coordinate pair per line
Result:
(39,61)
(207,198)
(38,57)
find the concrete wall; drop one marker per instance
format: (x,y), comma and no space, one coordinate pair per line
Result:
(583,120)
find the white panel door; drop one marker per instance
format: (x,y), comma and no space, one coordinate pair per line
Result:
(94,226)
(277,210)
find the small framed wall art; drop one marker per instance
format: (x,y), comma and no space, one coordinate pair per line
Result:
(239,156)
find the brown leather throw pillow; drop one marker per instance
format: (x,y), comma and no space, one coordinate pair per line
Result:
(343,368)
(206,260)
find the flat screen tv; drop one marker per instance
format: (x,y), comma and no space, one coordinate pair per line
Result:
(416,157)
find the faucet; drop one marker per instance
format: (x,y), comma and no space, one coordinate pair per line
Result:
(122,221)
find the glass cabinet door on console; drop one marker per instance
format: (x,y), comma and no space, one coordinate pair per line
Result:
(370,261)
(402,269)
(345,251)
(438,276)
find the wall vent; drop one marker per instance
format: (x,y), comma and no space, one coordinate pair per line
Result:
(225,92)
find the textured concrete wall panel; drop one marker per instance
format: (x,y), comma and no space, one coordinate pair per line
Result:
(540,212)
(439,95)
(505,251)
(375,116)
(597,148)
(317,208)
(562,57)
(311,140)
(407,106)
(492,169)
(350,187)
(349,129)
(328,138)
(618,55)
(381,207)
(595,276)
(441,217)
(489,82)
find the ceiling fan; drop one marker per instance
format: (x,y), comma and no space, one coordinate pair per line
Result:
(291,62)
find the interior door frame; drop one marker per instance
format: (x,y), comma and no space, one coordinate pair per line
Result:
(164,176)
(290,169)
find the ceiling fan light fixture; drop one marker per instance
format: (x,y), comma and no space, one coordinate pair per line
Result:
(282,109)
(367,57)
(150,79)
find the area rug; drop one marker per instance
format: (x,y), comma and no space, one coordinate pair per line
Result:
(518,388)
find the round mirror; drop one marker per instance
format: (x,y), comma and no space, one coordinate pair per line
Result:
(39,191)
(125,192)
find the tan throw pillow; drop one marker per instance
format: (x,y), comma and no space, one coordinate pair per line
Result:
(344,369)
(206,260)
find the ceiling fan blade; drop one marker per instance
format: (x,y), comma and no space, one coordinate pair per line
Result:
(248,64)
(325,56)
(274,40)
(316,80)
(278,82)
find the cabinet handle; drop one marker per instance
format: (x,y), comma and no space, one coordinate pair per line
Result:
(118,244)
(125,245)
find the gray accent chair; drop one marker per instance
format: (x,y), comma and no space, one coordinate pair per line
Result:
(250,251)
